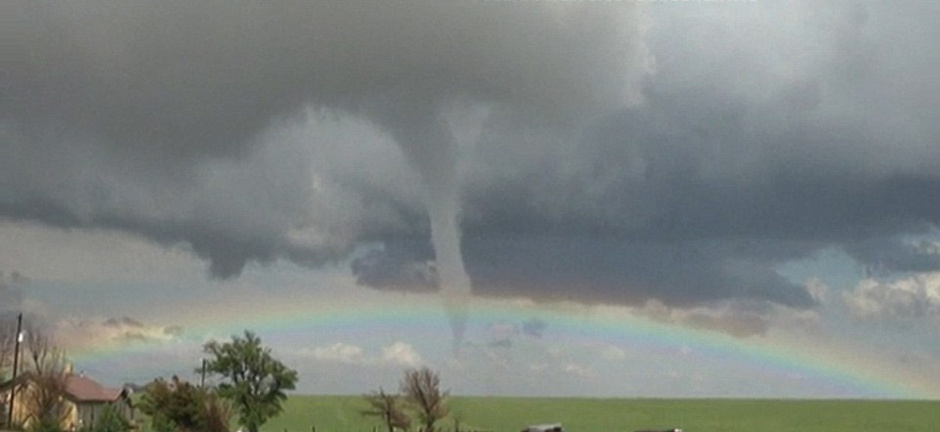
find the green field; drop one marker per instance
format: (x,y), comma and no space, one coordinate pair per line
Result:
(341,414)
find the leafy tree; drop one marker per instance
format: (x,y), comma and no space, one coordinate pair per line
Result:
(178,406)
(387,407)
(422,388)
(253,380)
(175,406)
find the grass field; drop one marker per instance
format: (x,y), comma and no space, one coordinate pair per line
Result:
(341,414)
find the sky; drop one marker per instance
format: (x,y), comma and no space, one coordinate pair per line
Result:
(636,199)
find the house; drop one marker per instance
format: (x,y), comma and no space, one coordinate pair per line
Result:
(83,400)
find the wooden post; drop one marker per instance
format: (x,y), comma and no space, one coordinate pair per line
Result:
(16,361)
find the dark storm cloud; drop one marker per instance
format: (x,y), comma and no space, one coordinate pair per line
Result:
(764,133)
(597,270)
(801,128)
(153,118)
(11,297)
(399,265)
(884,255)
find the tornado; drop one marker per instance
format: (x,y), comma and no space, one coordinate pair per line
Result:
(429,145)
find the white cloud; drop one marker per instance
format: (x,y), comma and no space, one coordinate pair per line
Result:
(397,354)
(79,334)
(605,351)
(818,290)
(579,370)
(339,352)
(538,367)
(400,353)
(902,300)
(613,353)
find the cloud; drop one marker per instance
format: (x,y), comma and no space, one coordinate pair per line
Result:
(501,343)
(11,297)
(614,353)
(728,169)
(80,334)
(173,330)
(910,300)
(741,319)
(762,135)
(886,256)
(13,301)
(339,352)
(400,353)
(123,322)
(503,335)
(394,267)
(534,327)
(155,120)
(579,370)
(501,330)
(595,270)
(605,351)
(820,292)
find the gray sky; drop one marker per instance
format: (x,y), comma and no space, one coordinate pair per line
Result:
(694,164)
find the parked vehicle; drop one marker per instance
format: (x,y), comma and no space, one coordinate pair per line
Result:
(551,427)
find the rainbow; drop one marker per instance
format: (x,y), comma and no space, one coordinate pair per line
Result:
(423,317)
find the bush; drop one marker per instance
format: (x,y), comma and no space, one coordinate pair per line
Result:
(46,425)
(179,406)
(111,420)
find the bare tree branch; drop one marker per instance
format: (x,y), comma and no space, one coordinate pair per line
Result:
(422,388)
(387,407)
(48,370)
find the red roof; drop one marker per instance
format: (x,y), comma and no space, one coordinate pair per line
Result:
(78,388)
(83,389)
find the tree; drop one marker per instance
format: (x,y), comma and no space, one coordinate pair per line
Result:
(7,342)
(422,388)
(387,407)
(253,380)
(174,406)
(48,371)
(178,406)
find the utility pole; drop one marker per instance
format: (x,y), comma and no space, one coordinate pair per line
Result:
(202,381)
(16,364)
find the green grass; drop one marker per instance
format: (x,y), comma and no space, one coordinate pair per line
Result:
(341,414)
